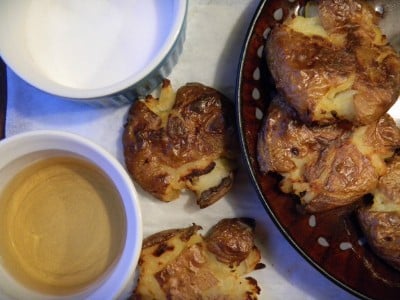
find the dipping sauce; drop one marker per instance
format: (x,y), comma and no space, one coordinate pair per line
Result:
(62,225)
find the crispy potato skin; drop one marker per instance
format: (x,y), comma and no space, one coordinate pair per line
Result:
(333,165)
(382,231)
(284,138)
(164,157)
(161,237)
(344,173)
(328,133)
(381,223)
(306,67)
(336,14)
(181,264)
(232,240)
(339,177)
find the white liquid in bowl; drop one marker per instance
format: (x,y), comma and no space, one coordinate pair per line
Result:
(95,43)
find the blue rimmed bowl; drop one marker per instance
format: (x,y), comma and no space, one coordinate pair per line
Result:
(92,50)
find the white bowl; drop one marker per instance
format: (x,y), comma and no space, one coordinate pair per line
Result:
(21,150)
(94,48)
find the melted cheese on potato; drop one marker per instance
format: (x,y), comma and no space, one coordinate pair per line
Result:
(311,26)
(382,203)
(308,26)
(164,104)
(221,170)
(293,181)
(338,101)
(361,140)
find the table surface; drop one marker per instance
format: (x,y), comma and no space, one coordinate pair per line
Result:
(214,38)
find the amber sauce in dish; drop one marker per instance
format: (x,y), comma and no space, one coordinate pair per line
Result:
(62,225)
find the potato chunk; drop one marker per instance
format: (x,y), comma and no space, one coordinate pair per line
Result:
(381,221)
(181,264)
(182,141)
(335,66)
(326,166)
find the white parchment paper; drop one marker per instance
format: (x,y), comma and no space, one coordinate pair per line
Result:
(214,37)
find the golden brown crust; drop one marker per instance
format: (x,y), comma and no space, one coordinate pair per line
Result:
(187,269)
(284,138)
(332,140)
(185,278)
(382,231)
(344,70)
(183,141)
(231,240)
(339,177)
(215,193)
(328,166)
(160,237)
(336,15)
(381,221)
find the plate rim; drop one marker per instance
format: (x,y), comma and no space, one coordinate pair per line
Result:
(251,171)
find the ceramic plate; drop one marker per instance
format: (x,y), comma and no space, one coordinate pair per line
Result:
(332,241)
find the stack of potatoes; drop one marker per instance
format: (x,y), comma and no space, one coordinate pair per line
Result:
(327,131)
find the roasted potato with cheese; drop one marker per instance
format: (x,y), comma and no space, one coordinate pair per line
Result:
(381,221)
(326,166)
(182,264)
(335,66)
(182,141)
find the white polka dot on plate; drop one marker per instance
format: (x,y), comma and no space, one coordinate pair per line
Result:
(312,221)
(323,242)
(345,246)
(278,14)
(266,32)
(256,74)
(260,51)
(259,114)
(256,94)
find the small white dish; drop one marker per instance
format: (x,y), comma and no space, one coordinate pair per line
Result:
(95,48)
(22,150)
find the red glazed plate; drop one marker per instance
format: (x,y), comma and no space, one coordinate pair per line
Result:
(332,241)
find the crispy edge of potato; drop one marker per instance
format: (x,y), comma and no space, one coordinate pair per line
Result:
(232,240)
(361,139)
(361,98)
(219,174)
(166,245)
(189,238)
(380,220)
(381,230)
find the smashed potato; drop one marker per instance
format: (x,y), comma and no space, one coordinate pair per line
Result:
(182,264)
(380,222)
(182,141)
(327,133)
(326,166)
(335,66)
